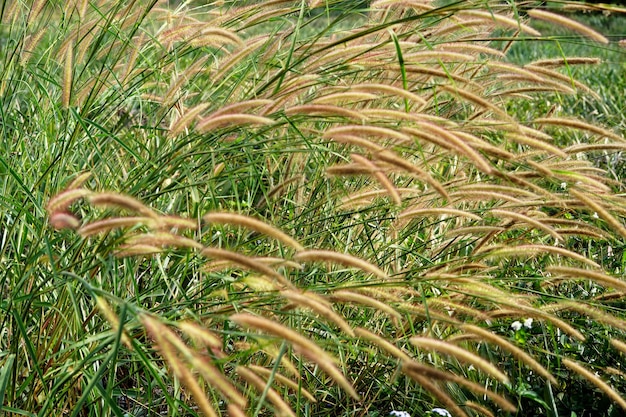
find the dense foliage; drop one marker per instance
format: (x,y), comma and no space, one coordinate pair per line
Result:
(306,208)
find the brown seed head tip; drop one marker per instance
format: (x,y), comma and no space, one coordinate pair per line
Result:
(64,221)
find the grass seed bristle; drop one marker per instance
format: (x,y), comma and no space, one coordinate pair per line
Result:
(306,346)
(254,224)
(617,397)
(261,385)
(340,258)
(461,354)
(514,350)
(326,311)
(568,23)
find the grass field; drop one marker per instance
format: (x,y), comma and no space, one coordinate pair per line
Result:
(311,208)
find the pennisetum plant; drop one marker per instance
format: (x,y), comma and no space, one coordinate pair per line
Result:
(297,208)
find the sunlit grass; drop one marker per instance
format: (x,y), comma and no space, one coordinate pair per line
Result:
(262,209)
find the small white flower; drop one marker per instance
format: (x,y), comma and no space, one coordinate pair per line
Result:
(516,325)
(595,215)
(528,323)
(563,185)
(609,252)
(442,412)
(395,413)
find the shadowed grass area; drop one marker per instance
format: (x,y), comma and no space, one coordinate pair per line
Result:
(304,208)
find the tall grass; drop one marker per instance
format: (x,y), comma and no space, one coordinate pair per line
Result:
(299,208)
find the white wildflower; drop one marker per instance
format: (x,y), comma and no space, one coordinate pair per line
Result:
(595,215)
(563,185)
(516,325)
(395,413)
(528,323)
(442,412)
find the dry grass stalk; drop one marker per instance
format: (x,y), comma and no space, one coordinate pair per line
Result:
(208,123)
(536,143)
(271,261)
(109,224)
(595,276)
(68,71)
(380,176)
(366,197)
(600,384)
(390,157)
(273,352)
(200,335)
(365,130)
(155,329)
(479,408)
(353,297)
(514,350)
(340,258)
(63,200)
(474,230)
(241,106)
(498,251)
(519,310)
(468,47)
(568,23)
(601,211)
(60,220)
(580,125)
(457,144)
(175,222)
(113,320)
(483,196)
(390,90)
(437,212)
(125,251)
(341,98)
(282,408)
(121,201)
(505,21)
(254,224)
(594,147)
(164,239)
(435,390)
(198,362)
(306,347)
(526,219)
(430,372)
(231,60)
(506,68)
(567,61)
(30,44)
(325,110)
(183,121)
(461,354)
(594,313)
(348,169)
(555,76)
(235,411)
(246,262)
(35,10)
(453,308)
(383,344)
(479,101)
(283,380)
(619,345)
(355,140)
(326,311)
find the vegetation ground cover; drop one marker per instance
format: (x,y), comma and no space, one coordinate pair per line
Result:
(311,208)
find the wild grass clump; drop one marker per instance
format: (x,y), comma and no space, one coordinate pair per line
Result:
(300,208)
